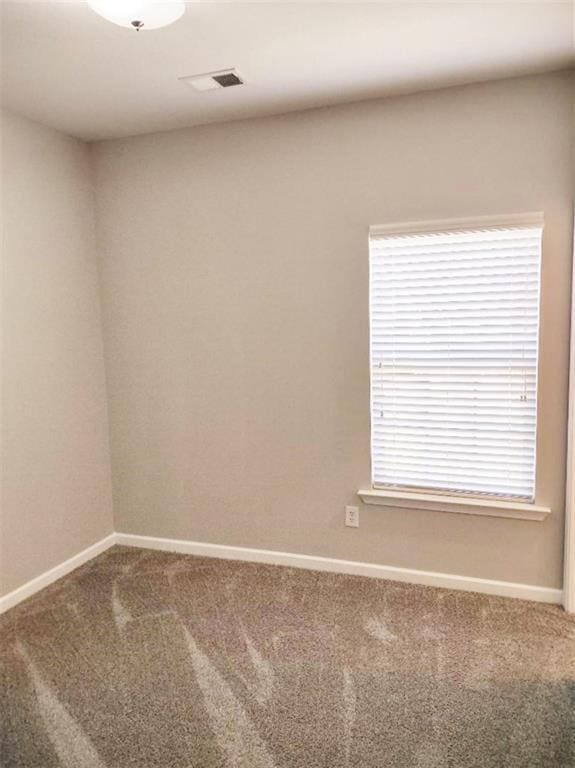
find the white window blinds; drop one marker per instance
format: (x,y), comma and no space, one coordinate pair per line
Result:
(454,331)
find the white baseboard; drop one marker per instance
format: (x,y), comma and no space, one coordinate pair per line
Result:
(314,563)
(272,557)
(47,578)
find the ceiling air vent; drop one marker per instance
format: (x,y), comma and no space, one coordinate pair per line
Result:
(212,81)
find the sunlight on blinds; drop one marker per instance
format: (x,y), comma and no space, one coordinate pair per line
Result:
(454,332)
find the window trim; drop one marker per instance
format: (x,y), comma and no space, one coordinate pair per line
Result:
(432,502)
(424,498)
(534,218)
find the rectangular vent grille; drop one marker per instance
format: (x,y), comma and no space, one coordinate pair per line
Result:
(227,80)
(213,81)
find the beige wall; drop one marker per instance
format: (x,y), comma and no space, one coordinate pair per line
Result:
(56,495)
(235,274)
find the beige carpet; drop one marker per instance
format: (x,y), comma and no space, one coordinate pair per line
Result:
(169,661)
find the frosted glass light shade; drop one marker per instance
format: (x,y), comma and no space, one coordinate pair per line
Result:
(139,14)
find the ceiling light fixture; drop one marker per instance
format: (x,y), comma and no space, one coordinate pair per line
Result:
(139,14)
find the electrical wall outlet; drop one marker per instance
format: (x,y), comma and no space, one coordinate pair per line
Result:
(352,517)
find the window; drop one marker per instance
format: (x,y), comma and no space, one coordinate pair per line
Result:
(454,316)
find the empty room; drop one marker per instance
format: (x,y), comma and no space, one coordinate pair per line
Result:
(288,384)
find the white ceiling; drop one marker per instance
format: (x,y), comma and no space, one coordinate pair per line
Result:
(65,66)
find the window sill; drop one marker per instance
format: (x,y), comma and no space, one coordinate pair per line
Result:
(467,506)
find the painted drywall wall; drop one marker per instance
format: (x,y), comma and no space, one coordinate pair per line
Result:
(56,487)
(235,284)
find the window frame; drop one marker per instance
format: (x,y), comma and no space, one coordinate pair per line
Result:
(456,501)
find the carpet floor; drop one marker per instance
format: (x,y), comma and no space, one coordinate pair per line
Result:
(157,660)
